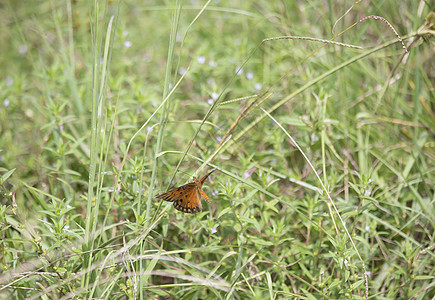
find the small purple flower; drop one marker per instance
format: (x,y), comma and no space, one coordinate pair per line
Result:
(246,175)
(213,230)
(22,49)
(212,63)
(239,70)
(346,263)
(258,86)
(9,81)
(215,193)
(367,228)
(210,101)
(367,192)
(249,75)
(214,95)
(6,102)
(181,71)
(127,44)
(233,202)
(218,139)
(201,59)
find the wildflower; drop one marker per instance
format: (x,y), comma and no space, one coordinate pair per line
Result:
(214,95)
(181,71)
(201,59)
(367,228)
(9,81)
(212,63)
(239,70)
(258,86)
(127,44)
(22,49)
(213,230)
(6,102)
(249,75)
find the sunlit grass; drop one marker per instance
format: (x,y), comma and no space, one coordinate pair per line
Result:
(324,151)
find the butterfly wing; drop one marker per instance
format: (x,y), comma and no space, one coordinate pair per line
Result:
(189,202)
(177,193)
(187,198)
(203,178)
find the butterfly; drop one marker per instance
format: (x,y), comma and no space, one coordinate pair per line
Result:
(187,198)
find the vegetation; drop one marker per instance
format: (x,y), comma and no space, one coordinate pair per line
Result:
(324,150)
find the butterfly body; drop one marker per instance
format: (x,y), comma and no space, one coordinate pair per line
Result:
(187,198)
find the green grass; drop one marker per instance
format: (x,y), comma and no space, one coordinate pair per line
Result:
(324,152)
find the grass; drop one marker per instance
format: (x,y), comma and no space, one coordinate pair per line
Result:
(324,152)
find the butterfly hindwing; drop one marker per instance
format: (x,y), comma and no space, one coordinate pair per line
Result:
(189,203)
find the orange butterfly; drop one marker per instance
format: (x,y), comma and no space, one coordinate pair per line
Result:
(187,198)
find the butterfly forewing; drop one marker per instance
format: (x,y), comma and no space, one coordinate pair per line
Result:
(203,178)
(177,193)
